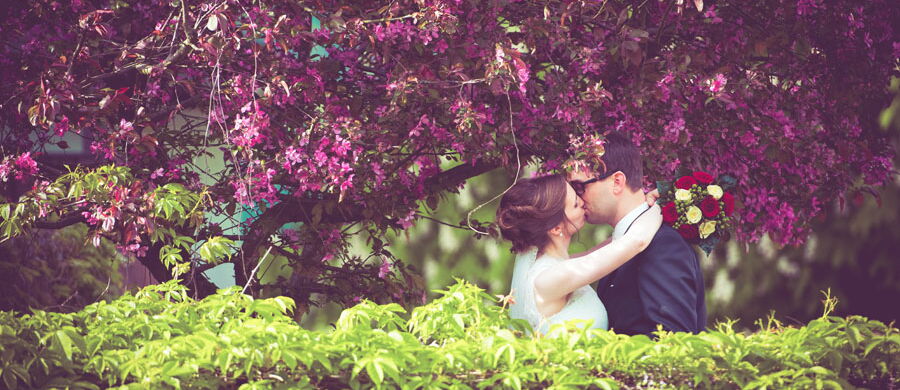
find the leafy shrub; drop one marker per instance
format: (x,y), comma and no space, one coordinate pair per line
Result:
(58,270)
(160,337)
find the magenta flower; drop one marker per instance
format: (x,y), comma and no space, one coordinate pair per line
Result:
(25,166)
(716,84)
(385,269)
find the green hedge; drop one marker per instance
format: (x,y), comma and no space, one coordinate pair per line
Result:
(160,338)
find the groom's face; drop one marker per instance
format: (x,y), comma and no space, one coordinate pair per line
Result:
(599,201)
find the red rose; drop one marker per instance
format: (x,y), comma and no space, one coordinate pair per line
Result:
(703,178)
(685,182)
(728,200)
(710,207)
(669,214)
(689,232)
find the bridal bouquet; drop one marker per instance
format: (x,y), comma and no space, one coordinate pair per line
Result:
(699,207)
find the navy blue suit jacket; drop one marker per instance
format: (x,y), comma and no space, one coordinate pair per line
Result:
(661,285)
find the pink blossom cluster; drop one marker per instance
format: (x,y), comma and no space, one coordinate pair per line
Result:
(332,241)
(376,104)
(256,186)
(329,163)
(249,127)
(18,167)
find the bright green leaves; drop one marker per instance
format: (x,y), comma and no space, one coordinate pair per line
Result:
(62,341)
(119,207)
(171,255)
(377,367)
(177,204)
(11,224)
(451,317)
(215,249)
(369,315)
(11,375)
(160,337)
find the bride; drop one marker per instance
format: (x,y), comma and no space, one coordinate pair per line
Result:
(539,216)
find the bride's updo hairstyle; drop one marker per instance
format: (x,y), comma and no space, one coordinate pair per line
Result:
(530,209)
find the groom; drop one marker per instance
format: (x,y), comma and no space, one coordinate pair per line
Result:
(661,285)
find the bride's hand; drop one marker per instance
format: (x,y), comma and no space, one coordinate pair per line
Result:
(646,226)
(652,196)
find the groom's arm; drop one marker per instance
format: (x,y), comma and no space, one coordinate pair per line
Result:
(667,285)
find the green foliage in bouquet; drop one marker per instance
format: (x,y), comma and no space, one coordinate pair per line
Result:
(161,338)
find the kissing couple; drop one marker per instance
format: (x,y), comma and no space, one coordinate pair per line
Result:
(648,275)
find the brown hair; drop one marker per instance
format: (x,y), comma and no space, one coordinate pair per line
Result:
(530,209)
(621,155)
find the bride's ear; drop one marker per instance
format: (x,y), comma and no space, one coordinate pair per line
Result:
(556,231)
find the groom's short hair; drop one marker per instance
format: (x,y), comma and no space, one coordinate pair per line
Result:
(622,155)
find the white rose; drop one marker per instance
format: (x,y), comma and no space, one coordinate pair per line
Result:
(715,191)
(683,195)
(694,214)
(707,228)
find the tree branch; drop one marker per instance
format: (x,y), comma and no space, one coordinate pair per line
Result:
(301,210)
(65,220)
(186,43)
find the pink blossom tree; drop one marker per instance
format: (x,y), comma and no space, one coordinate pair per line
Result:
(343,117)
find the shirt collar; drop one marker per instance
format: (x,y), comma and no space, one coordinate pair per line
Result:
(626,221)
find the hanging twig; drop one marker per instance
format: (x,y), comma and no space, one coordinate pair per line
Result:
(250,279)
(515,178)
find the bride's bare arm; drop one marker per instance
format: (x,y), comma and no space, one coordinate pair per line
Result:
(651,198)
(594,249)
(571,274)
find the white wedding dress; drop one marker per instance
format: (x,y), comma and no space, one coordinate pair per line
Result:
(583,304)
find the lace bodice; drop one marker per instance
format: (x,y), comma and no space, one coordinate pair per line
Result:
(583,303)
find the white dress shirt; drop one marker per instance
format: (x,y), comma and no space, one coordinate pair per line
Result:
(627,220)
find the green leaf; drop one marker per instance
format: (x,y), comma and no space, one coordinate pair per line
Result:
(9,378)
(290,359)
(174,187)
(513,381)
(871,346)
(709,244)
(510,352)
(75,190)
(8,229)
(20,372)
(285,304)
(820,370)
(167,207)
(854,336)
(682,171)
(727,182)
(214,249)
(65,343)
(664,187)
(376,373)
(606,384)
(77,339)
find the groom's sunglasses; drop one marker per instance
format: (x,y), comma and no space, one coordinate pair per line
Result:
(579,186)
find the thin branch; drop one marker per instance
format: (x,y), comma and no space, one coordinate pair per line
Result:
(410,16)
(250,279)
(66,220)
(420,215)
(75,53)
(512,131)
(294,256)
